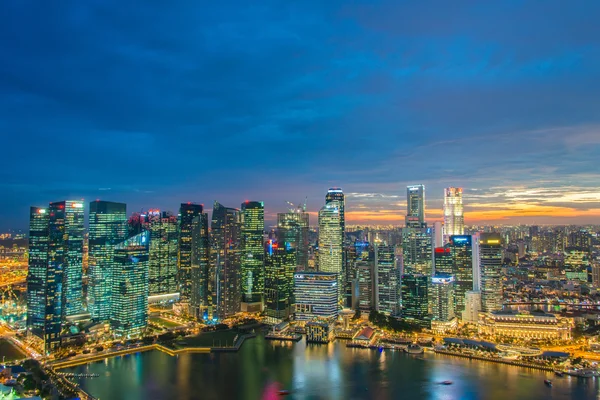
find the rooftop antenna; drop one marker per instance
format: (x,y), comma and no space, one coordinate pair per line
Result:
(304,205)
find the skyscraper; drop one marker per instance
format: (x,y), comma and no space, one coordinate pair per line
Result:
(315,295)
(107,228)
(187,213)
(366,280)
(330,242)
(442,296)
(461,248)
(454,222)
(199,267)
(37,274)
(292,230)
(388,290)
(224,272)
(280,265)
(417,250)
(415,208)
(442,257)
(490,256)
(129,305)
(415,302)
(252,261)
(162,267)
(336,195)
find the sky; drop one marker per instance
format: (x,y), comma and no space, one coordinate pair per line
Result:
(155,103)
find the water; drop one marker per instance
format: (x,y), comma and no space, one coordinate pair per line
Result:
(320,372)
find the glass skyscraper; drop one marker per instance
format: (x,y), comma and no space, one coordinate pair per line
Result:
(442,296)
(280,265)
(162,267)
(461,247)
(388,290)
(417,250)
(129,306)
(187,213)
(292,230)
(252,258)
(442,257)
(454,220)
(37,274)
(490,260)
(315,295)
(107,228)
(199,273)
(415,300)
(336,195)
(415,207)
(330,242)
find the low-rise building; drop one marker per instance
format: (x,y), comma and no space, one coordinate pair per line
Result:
(524,325)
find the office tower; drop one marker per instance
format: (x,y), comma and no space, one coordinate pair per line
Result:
(107,228)
(336,195)
(315,295)
(65,254)
(129,305)
(472,307)
(463,271)
(162,267)
(330,243)
(225,256)
(199,266)
(438,233)
(442,296)
(365,279)
(253,262)
(388,275)
(292,232)
(490,259)
(280,265)
(454,220)
(417,250)
(37,274)
(443,262)
(415,207)
(187,213)
(415,303)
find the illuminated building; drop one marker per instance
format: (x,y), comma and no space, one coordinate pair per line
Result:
(225,239)
(37,274)
(315,295)
(595,274)
(387,294)
(438,234)
(280,265)
(524,325)
(365,280)
(472,306)
(107,227)
(162,267)
(330,242)
(252,257)
(129,305)
(442,258)
(490,261)
(415,300)
(442,298)
(336,195)
(461,248)
(199,266)
(454,220)
(417,250)
(415,207)
(319,332)
(187,213)
(292,229)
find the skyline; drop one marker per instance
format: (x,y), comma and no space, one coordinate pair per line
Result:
(280,102)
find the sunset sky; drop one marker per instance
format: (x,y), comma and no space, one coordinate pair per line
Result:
(165,103)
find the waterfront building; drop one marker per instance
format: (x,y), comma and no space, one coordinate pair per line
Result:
(319,331)
(107,228)
(162,268)
(490,260)
(39,278)
(524,325)
(417,250)
(330,242)
(199,267)
(365,278)
(454,222)
(315,295)
(252,257)
(280,265)
(292,231)
(187,213)
(129,305)
(387,279)
(442,297)
(472,307)
(365,337)
(225,261)
(443,262)
(415,207)
(461,250)
(415,300)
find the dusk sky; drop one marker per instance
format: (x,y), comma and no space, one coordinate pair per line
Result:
(158,103)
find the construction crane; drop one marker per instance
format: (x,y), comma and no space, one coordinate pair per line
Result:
(297,209)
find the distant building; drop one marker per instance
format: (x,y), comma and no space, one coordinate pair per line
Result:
(415,299)
(164,240)
(525,325)
(415,210)
(316,295)
(454,222)
(387,280)
(417,250)
(491,260)
(330,242)
(200,296)
(187,213)
(461,249)
(292,232)
(336,196)
(442,258)
(252,256)
(280,265)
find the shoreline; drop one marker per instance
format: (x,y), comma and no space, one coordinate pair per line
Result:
(494,360)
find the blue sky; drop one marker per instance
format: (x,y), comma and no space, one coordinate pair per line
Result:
(155,104)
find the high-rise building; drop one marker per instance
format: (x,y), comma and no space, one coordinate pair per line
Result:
(253,263)
(387,290)
(438,235)
(65,254)
(417,250)
(107,228)
(292,232)
(187,213)
(39,277)
(336,195)
(280,265)
(415,207)
(330,242)
(415,301)
(129,305)
(490,260)
(442,258)
(225,237)
(454,220)
(164,240)
(365,280)
(442,296)
(199,266)
(461,247)
(315,295)
(472,307)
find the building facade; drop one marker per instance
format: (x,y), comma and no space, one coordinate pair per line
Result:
(454,220)
(280,265)
(292,232)
(490,261)
(415,299)
(331,243)
(461,249)
(315,295)
(187,213)
(252,256)
(524,325)
(388,275)
(415,207)
(164,241)
(200,299)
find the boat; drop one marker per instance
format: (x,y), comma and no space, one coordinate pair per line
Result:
(414,349)
(548,382)
(446,383)
(283,392)
(559,373)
